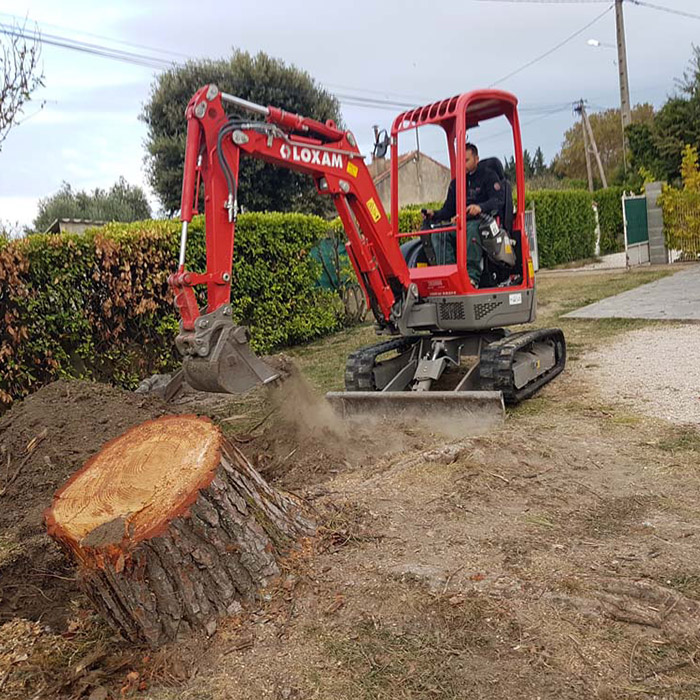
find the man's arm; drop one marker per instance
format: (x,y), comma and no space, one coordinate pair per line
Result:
(449,208)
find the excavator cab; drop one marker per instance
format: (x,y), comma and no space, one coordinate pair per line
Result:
(457,117)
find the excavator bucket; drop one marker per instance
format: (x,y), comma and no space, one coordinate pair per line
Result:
(227,365)
(444,411)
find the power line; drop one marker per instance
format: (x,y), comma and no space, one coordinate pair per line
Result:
(552,50)
(670,10)
(152,49)
(93,49)
(550,2)
(153,62)
(162,64)
(531,121)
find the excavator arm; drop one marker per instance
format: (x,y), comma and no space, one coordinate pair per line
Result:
(217,357)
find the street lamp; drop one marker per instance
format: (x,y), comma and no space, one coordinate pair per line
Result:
(595,42)
(624,97)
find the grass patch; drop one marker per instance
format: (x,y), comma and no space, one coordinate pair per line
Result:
(682,440)
(540,521)
(323,362)
(686,583)
(532,407)
(429,654)
(9,548)
(612,516)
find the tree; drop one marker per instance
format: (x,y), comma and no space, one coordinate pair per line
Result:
(690,82)
(539,167)
(258,78)
(644,155)
(689,169)
(11,229)
(19,66)
(657,147)
(607,129)
(123,202)
(509,167)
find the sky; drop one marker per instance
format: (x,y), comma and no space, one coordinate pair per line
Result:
(83,126)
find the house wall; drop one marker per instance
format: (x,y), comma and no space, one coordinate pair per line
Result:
(421,180)
(76,226)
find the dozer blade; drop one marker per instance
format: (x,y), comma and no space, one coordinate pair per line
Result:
(230,366)
(446,411)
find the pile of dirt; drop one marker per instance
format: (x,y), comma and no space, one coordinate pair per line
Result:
(296,445)
(43,440)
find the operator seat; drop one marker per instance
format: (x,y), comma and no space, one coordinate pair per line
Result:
(494,274)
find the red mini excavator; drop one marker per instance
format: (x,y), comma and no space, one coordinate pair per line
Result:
(436,319)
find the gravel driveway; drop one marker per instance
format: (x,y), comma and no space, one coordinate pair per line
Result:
(654,370)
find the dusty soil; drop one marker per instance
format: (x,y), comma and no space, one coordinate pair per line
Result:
(554,557)
(43,440)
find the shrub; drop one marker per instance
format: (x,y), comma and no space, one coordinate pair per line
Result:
(97,306)
(681,212)
(612,228)
(565,225)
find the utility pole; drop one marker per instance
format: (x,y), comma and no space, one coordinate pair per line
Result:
(590,145)
(586,147)
(622,66)
(625,108)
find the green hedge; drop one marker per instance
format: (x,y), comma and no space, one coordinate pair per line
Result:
(565,225)
(97,305)
(612,228)
(565,222)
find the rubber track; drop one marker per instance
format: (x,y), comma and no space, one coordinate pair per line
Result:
(496,363)
(360,364)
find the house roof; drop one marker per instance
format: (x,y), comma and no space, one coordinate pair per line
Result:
(407,158)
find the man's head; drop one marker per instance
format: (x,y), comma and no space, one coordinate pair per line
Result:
(472,158)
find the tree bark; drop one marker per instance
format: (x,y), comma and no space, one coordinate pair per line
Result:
(172,528)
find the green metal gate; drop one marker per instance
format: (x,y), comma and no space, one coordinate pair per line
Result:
(634,212)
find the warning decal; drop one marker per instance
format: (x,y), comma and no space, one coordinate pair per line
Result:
(373,209)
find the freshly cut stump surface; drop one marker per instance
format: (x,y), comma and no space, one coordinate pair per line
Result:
(172,528)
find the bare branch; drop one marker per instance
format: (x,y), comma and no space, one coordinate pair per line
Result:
(20,73)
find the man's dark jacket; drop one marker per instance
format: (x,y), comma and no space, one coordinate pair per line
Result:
(483,188)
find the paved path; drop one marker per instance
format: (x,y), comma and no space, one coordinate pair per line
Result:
(674,298)
(608,262)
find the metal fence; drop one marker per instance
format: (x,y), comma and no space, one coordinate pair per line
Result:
(531,231)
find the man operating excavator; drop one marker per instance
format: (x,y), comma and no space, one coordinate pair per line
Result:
(484,195)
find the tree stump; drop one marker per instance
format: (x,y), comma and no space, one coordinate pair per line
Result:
(171,528)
